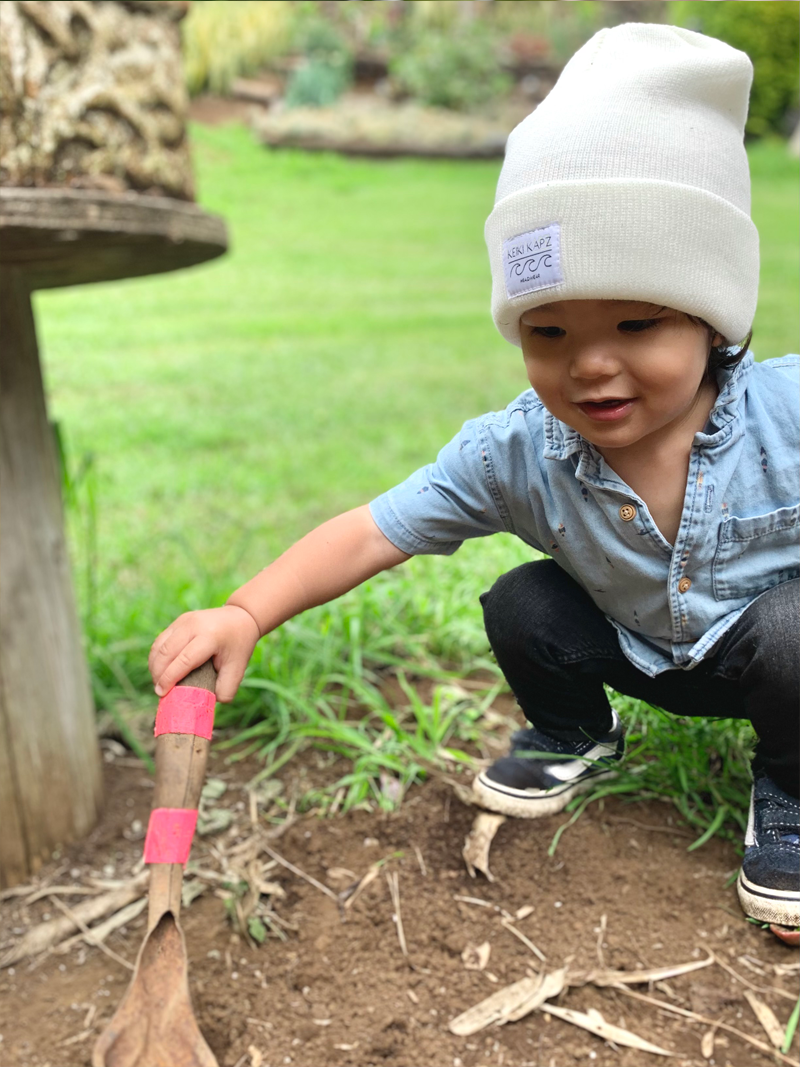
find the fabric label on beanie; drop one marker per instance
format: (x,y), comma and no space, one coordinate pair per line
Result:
(532,260)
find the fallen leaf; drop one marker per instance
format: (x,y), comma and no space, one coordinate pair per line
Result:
(213,789)
(766,1016)
(654,974)
(479,841)
(213,821)
(271,889)
(475,957)
(191,889)
(707,1044)
(594,1022)
(349,895)
(340,877)
(267,791)
(509,1003)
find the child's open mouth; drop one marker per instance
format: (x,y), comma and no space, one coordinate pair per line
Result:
(607,410)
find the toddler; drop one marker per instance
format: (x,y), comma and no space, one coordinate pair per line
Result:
(652,460)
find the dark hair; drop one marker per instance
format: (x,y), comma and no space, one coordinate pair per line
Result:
(723,356)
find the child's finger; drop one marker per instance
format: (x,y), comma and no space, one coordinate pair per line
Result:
(192,655)
(159,654)
(228,679)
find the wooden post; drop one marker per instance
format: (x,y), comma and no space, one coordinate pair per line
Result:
(94,115)
(50,788)
(49,758)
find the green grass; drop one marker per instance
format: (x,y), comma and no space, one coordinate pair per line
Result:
(211,417)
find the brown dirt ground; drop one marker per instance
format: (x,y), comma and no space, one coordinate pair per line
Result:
(340,993)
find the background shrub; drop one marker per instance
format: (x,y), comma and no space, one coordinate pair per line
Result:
(768,30)
(327,67)
(458,69)
(222,41)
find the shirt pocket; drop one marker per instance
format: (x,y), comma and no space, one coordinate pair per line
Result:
(755,554)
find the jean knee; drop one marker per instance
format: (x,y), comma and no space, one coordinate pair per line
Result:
(512,604)
(763,644)
(773,619)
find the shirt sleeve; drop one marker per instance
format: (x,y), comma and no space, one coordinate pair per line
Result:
(442,505)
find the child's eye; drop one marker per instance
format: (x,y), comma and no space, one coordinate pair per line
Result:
(637,325)
(548,331)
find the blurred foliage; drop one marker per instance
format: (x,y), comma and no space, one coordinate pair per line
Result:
(769,31)
(456,55)
(553,31)
(456,68)
(326,65)
(317,83)
(222,40)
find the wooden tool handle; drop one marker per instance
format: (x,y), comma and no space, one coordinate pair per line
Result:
(180,771)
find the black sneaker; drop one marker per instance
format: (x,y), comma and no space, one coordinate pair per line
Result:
(541,774)
(769,881)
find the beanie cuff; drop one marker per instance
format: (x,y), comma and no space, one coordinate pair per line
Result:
(636,239)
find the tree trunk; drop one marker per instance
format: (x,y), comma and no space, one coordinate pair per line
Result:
(50,787)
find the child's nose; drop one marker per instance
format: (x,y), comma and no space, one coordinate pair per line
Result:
(594,361)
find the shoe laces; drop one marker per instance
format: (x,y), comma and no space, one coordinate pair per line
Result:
(534,740)
(779,815)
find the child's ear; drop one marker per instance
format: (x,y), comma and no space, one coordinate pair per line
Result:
(718,341)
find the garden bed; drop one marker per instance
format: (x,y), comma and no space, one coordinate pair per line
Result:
(366,125)
(335,988)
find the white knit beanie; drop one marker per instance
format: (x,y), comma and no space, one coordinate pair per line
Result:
(630,181)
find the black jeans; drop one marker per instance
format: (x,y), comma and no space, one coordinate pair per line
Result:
(556,649)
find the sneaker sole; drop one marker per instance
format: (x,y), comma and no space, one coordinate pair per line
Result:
(527,804)
(780,906)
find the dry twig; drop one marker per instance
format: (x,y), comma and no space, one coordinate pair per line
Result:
(756,988)
(348,896)
(48,934)
(301,874)
(67,890)
(654,974)
(102,930)
(686,1014)
(420,861)
(89,936)
(393,878)
(526,941)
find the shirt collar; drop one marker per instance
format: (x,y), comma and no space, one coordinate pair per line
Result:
(561,441)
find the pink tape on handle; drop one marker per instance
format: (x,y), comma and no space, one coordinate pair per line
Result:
(186,710)
(169,835)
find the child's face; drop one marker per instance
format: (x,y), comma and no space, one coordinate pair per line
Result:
(616,371)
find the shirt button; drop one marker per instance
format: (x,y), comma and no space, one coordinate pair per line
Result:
(627,512)
(684,585)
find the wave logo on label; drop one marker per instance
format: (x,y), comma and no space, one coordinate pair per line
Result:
(532,260)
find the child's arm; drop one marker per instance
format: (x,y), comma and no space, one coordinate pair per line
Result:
(333,558)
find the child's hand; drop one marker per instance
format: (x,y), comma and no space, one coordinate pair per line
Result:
(227,634)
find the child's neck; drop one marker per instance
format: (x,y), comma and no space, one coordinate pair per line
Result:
(657,466)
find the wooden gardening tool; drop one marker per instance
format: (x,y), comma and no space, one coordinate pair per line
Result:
(154,1025)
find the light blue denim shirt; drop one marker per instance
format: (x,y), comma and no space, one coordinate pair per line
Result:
(523,471)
